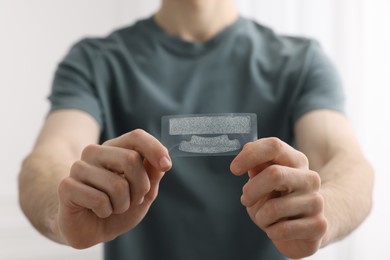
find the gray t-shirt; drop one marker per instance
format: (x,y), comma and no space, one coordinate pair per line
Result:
(136,75)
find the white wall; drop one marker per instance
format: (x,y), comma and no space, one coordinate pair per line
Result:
(35,34)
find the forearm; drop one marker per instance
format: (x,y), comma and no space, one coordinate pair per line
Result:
(39,178)
(328,140)
(347,182)
(62,139)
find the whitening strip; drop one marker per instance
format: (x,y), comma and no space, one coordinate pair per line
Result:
(207,134)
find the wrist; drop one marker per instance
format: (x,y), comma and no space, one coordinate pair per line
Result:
(332,232)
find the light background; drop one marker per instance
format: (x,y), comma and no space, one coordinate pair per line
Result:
(36,34)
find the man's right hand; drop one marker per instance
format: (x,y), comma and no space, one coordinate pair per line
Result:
(110,189)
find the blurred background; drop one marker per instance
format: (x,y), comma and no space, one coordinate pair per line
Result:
(36,34)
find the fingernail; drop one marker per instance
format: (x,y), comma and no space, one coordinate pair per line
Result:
(165,163)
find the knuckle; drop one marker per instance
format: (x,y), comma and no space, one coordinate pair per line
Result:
(276,144)
(271,209)
(122,206)
(315,204)
(107,142)
(248,196)
(139,191)
(302,158)
(100,201)
(275,174)
(64,186)
(120,185)
(246,190)
(248,147)
(261,220)
(318,200)
(89,151)
(280,231)
(151,195)
(77,167)
(136,133)
(321,225)
(144,189)
(131,157)
(314,180)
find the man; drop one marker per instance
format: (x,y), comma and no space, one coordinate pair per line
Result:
(93,174)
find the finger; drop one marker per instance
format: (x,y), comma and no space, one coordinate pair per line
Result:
(145,144)
(114,185)
(122,161)
(311,228)
(259,168)
(280,179)
(289,207)
(267,150)
(137,177)
(75,194)
(155,177)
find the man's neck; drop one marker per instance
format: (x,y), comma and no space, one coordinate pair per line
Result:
(196,20)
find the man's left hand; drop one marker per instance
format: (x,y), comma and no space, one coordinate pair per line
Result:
(282,196)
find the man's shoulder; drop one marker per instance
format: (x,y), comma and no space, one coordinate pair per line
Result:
(274,50)
(116,40)
(275,43)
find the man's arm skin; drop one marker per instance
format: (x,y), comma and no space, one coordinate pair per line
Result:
(302,207)
(60,143)
(347,178)
(79,193)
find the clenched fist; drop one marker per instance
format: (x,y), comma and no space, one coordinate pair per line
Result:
(110,189)
(282,196)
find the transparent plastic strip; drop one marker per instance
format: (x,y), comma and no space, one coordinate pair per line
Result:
(207,134)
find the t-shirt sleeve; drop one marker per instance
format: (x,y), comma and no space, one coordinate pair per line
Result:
(73,86)
(320,86)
